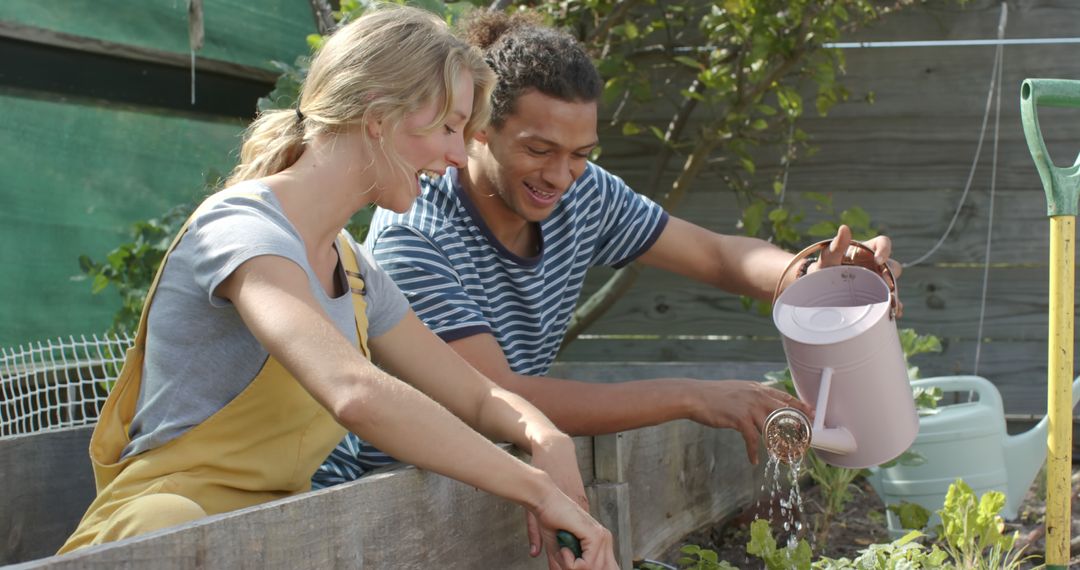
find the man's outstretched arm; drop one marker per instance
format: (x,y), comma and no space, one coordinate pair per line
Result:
(586,408)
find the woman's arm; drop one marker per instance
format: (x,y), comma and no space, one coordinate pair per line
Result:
(412,352)
(273,297)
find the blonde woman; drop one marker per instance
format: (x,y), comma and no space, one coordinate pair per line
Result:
(254,354)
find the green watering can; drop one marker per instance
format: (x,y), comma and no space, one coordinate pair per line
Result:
(966,441)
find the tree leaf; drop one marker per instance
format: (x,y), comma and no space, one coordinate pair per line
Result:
(689,61)
(823,229)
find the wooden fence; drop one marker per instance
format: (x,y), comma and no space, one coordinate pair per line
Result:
(651,487)
(905,159)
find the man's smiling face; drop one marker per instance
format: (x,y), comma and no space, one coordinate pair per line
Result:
(536,154)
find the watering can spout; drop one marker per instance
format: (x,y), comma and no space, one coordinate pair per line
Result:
(1024,456)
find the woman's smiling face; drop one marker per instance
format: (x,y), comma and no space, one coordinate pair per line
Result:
(425,152)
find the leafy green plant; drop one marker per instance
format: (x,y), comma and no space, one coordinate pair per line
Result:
(131,266)
(912,516)
(973,533)
(904,553)
(698,558)
(970,538)
(837,488)
(762,544)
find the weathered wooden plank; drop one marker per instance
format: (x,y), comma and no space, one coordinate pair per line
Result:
(943,80)
(399,518)
(680,475)
(946,303)
(291,533)
(1017,368)
(915,220)
(614,371)
(609,503)
(46,483)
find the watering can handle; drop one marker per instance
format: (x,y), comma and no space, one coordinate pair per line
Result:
(988,393)
(894,298)
(1061,184)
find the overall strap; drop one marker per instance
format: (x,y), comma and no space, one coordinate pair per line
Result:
(357,288)
(140,332)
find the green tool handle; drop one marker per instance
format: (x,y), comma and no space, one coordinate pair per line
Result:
(566,539)
(1051,92)
(1060,184)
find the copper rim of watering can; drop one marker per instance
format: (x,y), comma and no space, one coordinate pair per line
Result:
(790,416)
(882,269)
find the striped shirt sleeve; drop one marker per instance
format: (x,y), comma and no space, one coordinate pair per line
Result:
(630,224)
(421,267)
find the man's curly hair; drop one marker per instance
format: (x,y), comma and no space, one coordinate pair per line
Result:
(526,54)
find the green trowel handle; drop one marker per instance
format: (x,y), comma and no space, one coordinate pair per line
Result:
(1062,185)
(567,539)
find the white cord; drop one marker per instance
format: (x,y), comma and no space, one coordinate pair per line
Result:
(994,80)
(993,183)
(953,43)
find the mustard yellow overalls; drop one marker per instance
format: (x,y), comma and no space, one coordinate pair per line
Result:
(263,445)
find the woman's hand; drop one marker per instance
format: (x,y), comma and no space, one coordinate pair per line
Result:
(558,512)
(556,456)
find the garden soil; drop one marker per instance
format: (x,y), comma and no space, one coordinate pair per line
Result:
(863,523)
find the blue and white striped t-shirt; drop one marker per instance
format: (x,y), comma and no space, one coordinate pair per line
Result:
(461,281)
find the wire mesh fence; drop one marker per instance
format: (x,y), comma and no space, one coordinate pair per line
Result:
(57,383)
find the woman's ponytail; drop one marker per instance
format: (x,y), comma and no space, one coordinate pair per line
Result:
(272,143)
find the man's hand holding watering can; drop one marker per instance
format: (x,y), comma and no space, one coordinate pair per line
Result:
(874,257)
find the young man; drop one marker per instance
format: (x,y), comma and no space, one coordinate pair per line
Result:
(493,257)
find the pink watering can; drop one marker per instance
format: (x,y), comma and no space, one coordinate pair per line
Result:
(839,334)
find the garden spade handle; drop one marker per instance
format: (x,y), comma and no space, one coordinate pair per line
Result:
(1062,186)
(566,539)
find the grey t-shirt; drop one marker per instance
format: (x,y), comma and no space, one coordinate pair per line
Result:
(200,355)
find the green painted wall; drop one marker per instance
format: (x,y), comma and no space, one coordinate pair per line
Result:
(76,175)
(248,32)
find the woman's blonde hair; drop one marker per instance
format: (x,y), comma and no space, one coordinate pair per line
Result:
(388,63)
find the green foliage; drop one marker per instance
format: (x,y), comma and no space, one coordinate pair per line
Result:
(763,545)
(740,68)
(131,266)
(914,344)
(911,515)
(702,559)
(719,87)
(837,486)
(784,224)
(971,538)
(905,553)
(972,530)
